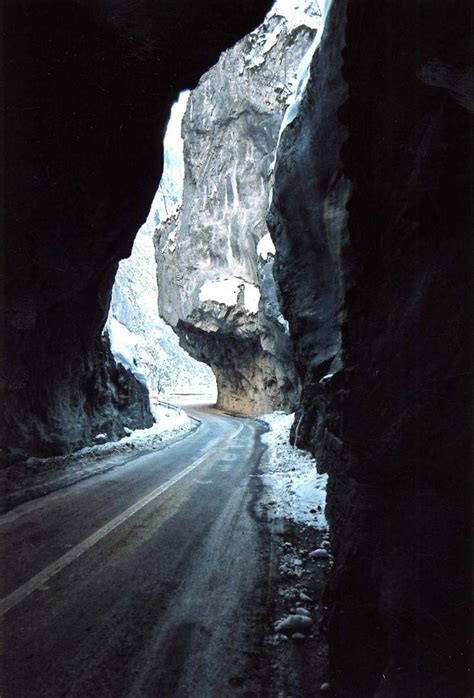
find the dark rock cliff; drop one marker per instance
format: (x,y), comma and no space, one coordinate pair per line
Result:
(88,87)
(209,251)
(372,221)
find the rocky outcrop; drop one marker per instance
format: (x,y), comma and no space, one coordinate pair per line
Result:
(372,222)
(110,401)
(89,88)
(215,290)
(125,400)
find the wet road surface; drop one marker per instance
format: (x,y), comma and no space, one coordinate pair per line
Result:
(147,580)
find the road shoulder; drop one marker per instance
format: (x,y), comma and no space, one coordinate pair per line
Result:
(38,477)
(291,506)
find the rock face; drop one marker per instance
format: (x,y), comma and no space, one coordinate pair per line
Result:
(89,88)
(215,290)
(124,399)
(372,222)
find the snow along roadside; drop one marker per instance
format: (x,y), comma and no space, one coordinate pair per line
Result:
(40,476)
(292,485)
(293,500)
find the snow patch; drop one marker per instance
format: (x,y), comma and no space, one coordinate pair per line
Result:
(319,554)
(292,484)
(255,62)
(271,39)
(266,247)
(123,344)
(230,291)
(298,13)
(171,421)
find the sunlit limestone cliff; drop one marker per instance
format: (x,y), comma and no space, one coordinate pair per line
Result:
(214,257)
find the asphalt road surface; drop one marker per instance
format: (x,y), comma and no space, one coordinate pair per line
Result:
(148,580)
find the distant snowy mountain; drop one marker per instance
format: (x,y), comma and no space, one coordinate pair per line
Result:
(170,192)
(140,339)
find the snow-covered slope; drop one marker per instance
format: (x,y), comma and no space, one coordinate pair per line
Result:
(140,338)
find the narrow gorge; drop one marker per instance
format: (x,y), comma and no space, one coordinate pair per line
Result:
(318,260)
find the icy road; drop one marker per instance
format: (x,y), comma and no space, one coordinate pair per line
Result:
(147,580)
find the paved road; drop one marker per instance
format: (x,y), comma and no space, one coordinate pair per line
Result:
(148,580)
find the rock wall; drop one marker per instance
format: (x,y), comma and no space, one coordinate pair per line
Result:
(372,221)
(208,251)
(89,88)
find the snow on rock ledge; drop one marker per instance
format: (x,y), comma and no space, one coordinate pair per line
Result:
(231,292)
(266,247)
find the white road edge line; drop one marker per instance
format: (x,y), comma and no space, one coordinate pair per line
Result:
(26,589)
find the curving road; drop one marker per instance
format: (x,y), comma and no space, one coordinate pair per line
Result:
(148,580)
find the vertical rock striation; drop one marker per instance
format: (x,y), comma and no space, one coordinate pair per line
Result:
(372,222)
(215,289)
